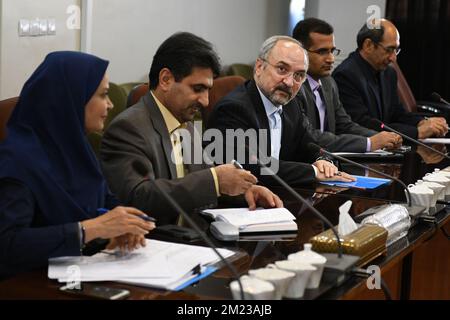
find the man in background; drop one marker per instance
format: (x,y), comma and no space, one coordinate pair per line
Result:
(368,85)
(319,97)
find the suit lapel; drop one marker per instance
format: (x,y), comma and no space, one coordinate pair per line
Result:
(370,82)
(311,108)
(160,126)
(330,124)
(258,107)
(383,96)
(376,97)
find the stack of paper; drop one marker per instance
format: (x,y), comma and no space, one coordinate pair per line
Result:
(260,220)
(436,140)
(160,264)
(375,153)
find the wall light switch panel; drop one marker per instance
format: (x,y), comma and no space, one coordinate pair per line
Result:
(43,27)
(51,26)
(24,27)
(34,27)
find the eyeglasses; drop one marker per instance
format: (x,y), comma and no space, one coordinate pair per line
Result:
(324,52)
(283,71)
(389,50)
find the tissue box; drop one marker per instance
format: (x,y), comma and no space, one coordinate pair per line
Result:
(367,242)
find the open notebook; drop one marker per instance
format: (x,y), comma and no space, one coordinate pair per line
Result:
(259,220)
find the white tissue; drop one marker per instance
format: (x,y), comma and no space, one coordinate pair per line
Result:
(346,223)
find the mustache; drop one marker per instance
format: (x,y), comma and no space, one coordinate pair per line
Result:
(284,88)
(196,105)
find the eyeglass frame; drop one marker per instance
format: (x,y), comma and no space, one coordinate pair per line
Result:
(389,50)
(324,52)
(302,74)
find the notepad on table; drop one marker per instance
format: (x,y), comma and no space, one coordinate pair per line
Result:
(259,220)
(360,183)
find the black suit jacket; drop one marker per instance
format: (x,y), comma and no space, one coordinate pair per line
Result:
(357,84)
(341,133)
(244,109)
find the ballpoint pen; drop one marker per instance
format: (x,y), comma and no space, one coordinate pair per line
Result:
(142,216)
(236,164)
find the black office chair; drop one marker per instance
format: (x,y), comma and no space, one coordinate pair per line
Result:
(409,101)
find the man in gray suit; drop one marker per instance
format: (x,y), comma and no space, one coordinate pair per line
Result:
(319,97)
(143,146)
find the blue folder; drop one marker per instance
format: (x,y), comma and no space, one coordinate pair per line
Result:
(360,183)
(209,270)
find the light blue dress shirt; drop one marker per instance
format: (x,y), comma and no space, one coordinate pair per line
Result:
(275,124)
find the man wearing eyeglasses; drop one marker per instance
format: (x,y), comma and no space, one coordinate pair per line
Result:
(319,98)
(368,85)
(267,104)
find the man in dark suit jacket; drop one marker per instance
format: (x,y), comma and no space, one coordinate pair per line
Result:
(266,104)
(319,96)
(143,146)
(368,85)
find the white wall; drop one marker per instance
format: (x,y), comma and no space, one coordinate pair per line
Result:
(346,17)
(128,32)
(19,56)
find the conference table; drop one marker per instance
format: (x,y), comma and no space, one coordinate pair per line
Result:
(414,267)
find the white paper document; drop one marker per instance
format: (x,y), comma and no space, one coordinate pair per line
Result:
(436,140)
(260,220)
(160,264)
(378,152)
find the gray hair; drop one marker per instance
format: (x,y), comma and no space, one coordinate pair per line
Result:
(269,43)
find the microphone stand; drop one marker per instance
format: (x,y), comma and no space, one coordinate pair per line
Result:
(404,136)
(338,265)
(323,151)
(139,167)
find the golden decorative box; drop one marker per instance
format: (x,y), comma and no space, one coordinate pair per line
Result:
(367,242)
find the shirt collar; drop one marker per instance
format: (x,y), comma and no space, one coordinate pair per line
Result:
(171,122)
(268,105)
(313,83)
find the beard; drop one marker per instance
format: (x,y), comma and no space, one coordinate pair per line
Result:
(190,111)
(278,99)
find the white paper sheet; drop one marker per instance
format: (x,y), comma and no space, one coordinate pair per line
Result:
(158,264)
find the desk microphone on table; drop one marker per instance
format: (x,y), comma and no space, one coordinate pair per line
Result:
(437,98)
(142,170)
(404,136)
(339,265)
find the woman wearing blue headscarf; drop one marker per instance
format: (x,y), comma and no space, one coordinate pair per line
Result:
(51,186)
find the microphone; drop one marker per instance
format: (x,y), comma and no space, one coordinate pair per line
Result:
(437,98)
(316,148)
(338,265)
(404,136)
(142,170)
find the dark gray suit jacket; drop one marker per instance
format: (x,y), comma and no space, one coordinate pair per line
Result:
(341,133)
(139,135)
